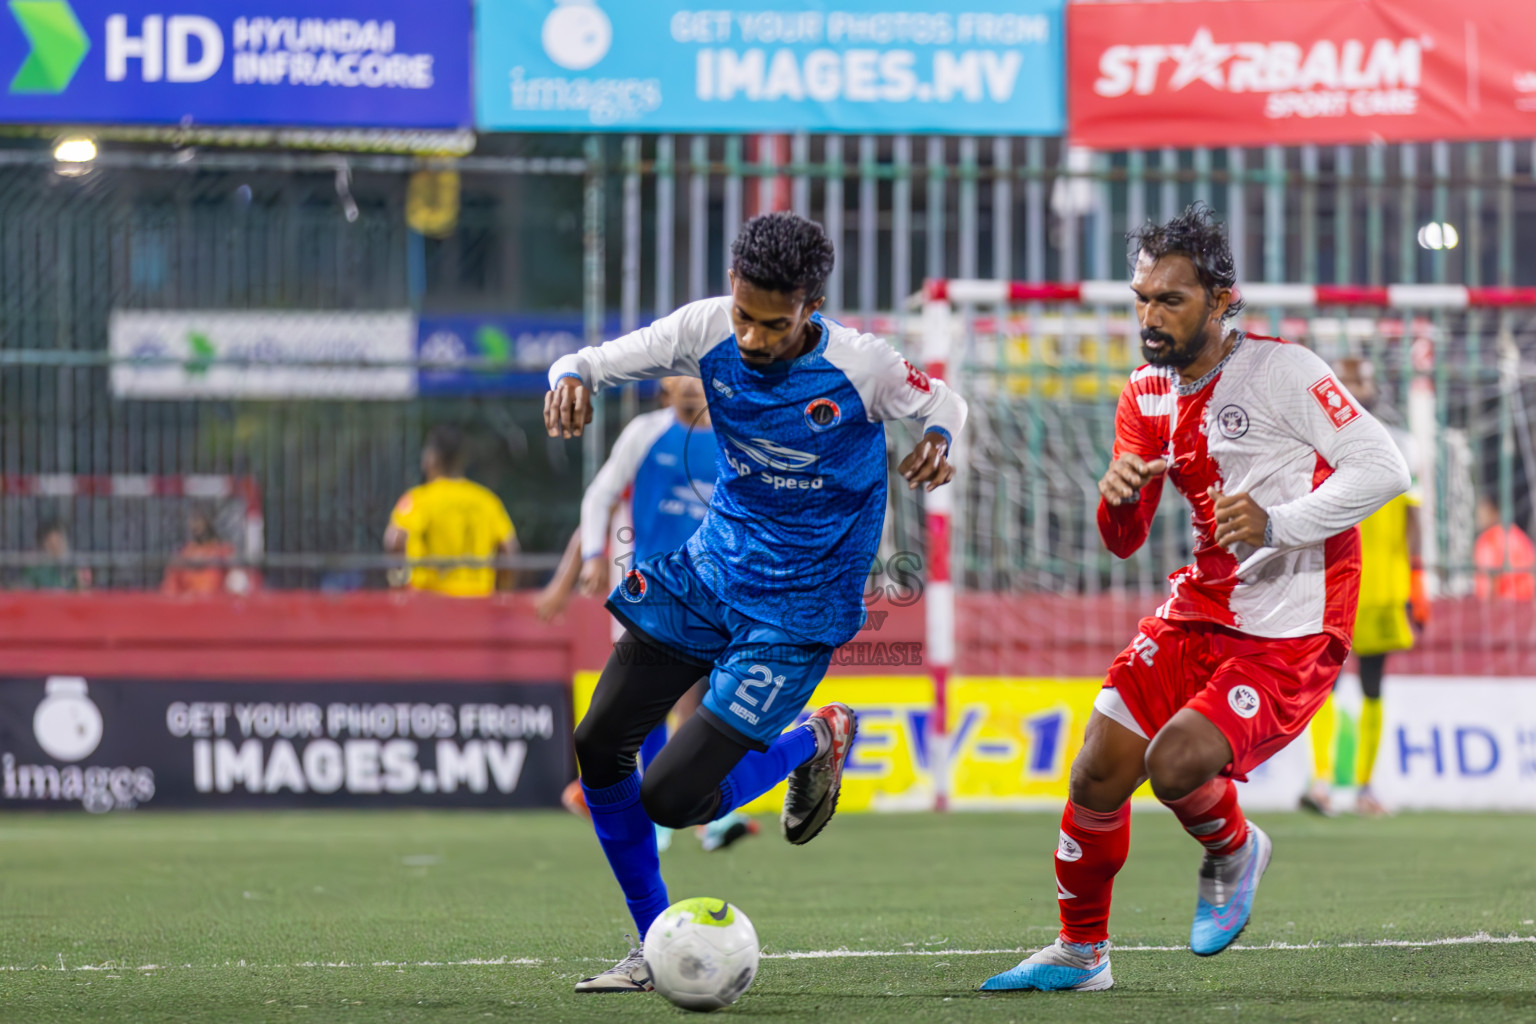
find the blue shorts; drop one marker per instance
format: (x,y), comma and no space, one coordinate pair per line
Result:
(760,676)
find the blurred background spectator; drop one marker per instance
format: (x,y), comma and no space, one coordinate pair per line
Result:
(449,517)
(1504,556)
(202,566)
(57,574)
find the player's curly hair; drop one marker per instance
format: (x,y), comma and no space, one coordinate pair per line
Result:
(1198,235)
(784,252)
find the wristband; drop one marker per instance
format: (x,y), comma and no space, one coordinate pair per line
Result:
(1269,533)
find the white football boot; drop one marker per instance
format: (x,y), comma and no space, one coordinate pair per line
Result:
(628,975)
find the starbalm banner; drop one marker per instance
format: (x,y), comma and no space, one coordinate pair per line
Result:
(1300,71)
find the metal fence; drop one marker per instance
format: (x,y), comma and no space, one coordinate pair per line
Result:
(640,224)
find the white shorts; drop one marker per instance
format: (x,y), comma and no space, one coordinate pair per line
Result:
(1111,705)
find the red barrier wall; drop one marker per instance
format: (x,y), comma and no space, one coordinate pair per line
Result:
(397,635)
(1046,635)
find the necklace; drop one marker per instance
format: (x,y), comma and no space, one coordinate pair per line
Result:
(1185,390)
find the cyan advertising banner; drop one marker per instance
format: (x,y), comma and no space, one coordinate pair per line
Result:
(973,66)
(359,63)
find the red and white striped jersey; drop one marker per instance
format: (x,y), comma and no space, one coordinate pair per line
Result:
(1274,422)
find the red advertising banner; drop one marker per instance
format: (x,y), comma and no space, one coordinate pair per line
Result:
(1252,72)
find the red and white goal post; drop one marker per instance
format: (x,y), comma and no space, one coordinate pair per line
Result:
(955,315)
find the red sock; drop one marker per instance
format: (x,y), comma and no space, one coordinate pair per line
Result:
(1091,852)
(1211,815)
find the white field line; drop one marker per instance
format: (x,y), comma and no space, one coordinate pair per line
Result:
(1478,939)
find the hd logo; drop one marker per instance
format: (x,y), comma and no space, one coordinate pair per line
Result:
(183,48)
(59,46)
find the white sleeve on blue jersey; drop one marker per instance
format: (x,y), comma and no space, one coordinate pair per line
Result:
(608,486)
(671,346)
(892,388)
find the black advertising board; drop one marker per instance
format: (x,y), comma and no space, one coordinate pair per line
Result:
(114,744)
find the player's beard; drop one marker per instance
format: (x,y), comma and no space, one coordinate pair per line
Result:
(1171,352)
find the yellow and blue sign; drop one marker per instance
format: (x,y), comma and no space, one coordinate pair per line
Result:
(1011,741)
(359,63)
(980,66)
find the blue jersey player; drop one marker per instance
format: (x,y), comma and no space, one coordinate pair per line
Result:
(773,580)
(665,461)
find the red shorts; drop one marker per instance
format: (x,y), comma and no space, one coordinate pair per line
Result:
(1259,692)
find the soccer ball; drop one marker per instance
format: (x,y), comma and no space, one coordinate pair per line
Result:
(702,953)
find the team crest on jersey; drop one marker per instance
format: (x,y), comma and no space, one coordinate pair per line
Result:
(823,414)
(1244,700)
(1232,421)
(634,586)
(1330,394)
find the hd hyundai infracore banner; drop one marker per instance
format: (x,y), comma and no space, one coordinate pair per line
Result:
(1300,71)
(358,63)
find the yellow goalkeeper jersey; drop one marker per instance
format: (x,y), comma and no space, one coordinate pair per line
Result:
(1381,623)
(453,518)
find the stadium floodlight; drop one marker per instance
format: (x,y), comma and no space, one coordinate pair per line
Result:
(74,155)
(1436,235)
(76,150)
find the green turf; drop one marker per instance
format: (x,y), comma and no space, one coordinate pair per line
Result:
(243,913)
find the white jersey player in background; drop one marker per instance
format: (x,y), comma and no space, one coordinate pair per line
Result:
(1279,463)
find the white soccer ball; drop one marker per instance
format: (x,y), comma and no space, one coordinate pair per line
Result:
(702,953)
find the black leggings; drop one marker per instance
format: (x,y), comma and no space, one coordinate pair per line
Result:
(1372,666)
(638,687)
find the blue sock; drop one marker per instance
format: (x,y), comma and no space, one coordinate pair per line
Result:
(628,839)
(759,772)
(653,744)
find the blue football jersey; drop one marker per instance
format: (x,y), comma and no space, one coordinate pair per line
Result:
(799,500)
(672,489)
(669,468)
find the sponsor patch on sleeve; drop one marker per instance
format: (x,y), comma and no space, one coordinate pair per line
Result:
(1335,401)
(917,378)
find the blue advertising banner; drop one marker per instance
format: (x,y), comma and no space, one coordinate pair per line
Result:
(357,63)
(977,66)
(509,355)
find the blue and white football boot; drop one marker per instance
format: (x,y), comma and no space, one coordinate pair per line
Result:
(1227,887)
(1060,967)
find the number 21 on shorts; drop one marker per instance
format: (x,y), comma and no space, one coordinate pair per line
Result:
(759,676)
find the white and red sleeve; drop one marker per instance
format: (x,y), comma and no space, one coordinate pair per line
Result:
(1368,469)
(892,388)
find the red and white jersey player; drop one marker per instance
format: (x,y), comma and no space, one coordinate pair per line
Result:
(1279,462)
(1270,421)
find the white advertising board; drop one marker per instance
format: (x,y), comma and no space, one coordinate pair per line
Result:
(1457,744)
(263,355)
